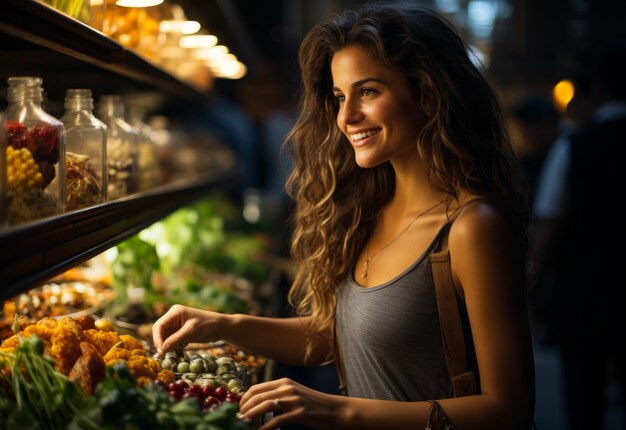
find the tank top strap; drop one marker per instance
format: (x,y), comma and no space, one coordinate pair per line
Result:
(440,241)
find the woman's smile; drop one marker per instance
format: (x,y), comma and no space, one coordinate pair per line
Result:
(362,138)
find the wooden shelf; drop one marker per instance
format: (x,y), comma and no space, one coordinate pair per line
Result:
(38,40)
(30,31)
(34,252)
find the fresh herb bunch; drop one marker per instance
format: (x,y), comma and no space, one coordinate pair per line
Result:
(34,395)
(120,403)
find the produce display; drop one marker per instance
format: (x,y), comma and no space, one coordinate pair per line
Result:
(33,394)
(206,370)
(57,299)
(193,257)
(81,351)
(254,364)
(107,377)
(209,234)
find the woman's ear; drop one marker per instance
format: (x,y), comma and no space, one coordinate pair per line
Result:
(427,108)
(426,99)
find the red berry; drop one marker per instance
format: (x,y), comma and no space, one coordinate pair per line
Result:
(14,127)
(220,393)
(196,389)
(46,138)
(207,391)
(173,386)
(182,383)
(210,401)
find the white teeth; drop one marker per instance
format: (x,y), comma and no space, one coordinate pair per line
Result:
(358,136)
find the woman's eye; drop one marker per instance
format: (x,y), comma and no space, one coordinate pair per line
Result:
(367,91)
(340,98)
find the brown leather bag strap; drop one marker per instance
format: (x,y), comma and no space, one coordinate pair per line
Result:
(462,380)
(449,318)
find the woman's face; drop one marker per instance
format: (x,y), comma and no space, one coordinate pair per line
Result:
(377,111)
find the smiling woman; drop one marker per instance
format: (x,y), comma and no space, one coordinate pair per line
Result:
(400,154)
(376,110)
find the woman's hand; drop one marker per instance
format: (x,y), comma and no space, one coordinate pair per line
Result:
(295,403)
(181,325)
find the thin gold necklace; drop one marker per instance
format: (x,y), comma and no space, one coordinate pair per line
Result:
(368,258)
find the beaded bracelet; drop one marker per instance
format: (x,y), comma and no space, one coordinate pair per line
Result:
(437,418)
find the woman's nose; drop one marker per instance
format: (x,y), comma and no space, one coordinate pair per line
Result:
(350,112)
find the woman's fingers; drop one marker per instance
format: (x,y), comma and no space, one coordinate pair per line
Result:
(159,333)
(280,420)
(263,407)
(166,326)
(261,392)
(180,337)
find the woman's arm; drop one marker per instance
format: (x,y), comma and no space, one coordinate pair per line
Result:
(281,339)
(486,261)
(487,264)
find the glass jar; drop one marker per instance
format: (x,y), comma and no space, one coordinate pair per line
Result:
(148,163)
(3,175)
(163,141)
(35,150)
(85,154)
(121,154)
(97,13)
(77,9)
(135,27)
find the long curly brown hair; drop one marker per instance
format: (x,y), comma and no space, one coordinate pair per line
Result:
(337,202)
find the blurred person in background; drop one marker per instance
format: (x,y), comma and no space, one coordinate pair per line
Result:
(538,125)
(400,150)
(579,241)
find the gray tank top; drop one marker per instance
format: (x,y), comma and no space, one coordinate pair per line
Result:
(389,336)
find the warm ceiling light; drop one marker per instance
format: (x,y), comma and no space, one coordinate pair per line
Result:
(138,3)
(172,52)
(179,26)
(96,2)
(212,53)
(562,94)
(231,70)
(198,41)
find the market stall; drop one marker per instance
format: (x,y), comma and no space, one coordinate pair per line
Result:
(82,281)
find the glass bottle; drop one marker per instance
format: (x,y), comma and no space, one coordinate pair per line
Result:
(121,148)
(35,153)
(97,13)
(77,9)
(85,151)
(148,164)
(133,25)
(163,141)
(3,175)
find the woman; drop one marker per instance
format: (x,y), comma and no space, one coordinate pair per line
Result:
(399,135)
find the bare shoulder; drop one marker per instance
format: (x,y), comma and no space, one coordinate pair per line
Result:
(479,220)
(481,237)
